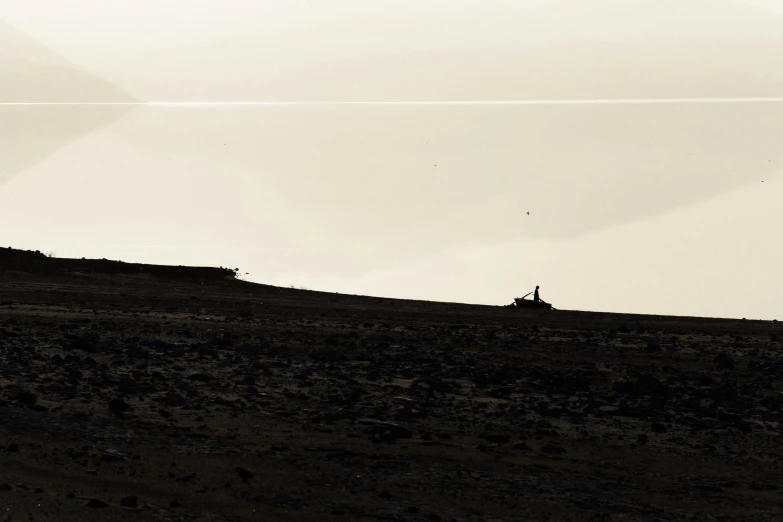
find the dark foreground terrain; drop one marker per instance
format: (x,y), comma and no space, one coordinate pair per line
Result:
(128,393)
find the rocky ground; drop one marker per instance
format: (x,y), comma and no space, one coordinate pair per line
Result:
(130,396)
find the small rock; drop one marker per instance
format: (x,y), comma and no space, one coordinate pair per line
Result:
(200,377)
(608,410)
(552,448)
(95,503)
(495,437)
(126,385)
(648,385)
(243,473)
(118,405)
(131,501)
(400,432)
(724,362)
(5,487)
(387,431)
(26,397)
(725,392)
(111,455)
(13,448)
(175,400)
(657,427)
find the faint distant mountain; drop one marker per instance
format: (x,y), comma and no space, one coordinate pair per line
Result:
(31,72)
(601,49)
(430,178)
(34,73)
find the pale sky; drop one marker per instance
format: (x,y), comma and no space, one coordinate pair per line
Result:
(97,34)
(629,205)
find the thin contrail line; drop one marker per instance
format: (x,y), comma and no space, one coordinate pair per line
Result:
(455,103)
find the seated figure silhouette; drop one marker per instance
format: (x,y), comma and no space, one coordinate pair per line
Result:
(536,302)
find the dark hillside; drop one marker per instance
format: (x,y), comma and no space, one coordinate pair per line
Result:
(138,392)
(35,262)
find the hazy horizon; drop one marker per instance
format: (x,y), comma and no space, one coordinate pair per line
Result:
(650,208)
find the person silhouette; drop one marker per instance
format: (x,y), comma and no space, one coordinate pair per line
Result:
(536,298)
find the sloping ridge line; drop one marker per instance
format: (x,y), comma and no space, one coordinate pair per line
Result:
(38,263)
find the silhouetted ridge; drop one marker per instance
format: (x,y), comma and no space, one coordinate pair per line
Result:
(38,263)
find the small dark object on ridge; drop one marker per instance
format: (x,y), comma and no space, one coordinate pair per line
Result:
(536,302)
